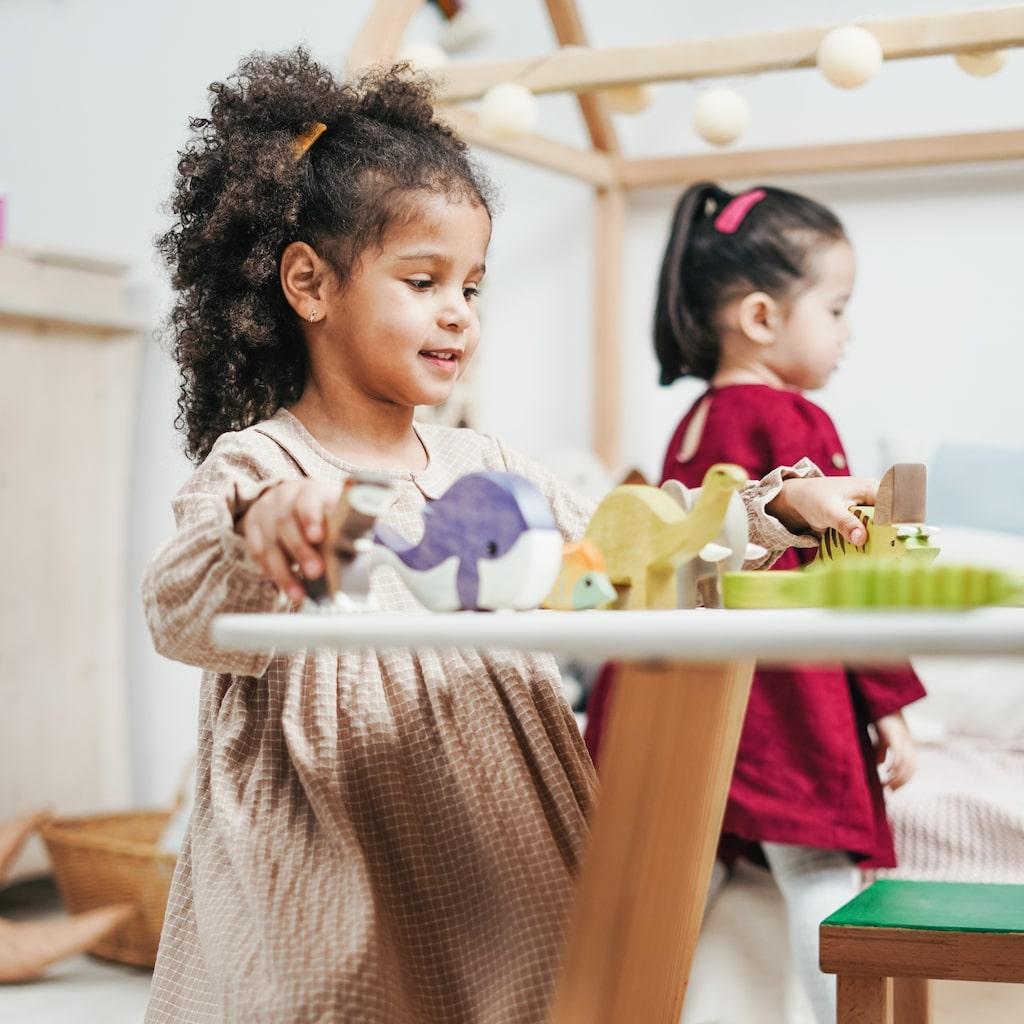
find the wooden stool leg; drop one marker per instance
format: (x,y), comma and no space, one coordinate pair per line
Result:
(910,1001)
(861,1000)
(665,769)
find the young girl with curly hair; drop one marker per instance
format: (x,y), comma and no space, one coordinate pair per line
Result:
(385,837)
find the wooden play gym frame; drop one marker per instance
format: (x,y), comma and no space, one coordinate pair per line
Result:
(672,744)
(585,71)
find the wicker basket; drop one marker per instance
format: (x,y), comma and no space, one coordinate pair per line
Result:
(104,859)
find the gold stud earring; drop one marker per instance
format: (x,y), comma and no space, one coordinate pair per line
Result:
(313,314)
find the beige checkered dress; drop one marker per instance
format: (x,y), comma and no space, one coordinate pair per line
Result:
(378,838)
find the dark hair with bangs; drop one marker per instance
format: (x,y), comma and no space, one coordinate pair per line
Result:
(703,268)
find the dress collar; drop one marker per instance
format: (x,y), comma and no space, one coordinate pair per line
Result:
(305,450)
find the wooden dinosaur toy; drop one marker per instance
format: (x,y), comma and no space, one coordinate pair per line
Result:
(645,536)
(490,542)
(895,524)
(700,580)
(582,581)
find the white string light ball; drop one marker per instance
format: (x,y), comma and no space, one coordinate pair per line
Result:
(982,64)
(463,31)
(721,116)
(508,111)
(619,99)
(423,55)
(628,99)
(849,56)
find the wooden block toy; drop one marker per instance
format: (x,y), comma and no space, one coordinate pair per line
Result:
(699,580)
(490,542)
(645,536)
(582,581)
(347,549)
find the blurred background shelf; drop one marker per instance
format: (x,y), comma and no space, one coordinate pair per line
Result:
(68,361)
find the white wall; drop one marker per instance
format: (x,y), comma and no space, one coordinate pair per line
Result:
(94,98)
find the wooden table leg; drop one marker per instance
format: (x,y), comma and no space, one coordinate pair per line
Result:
(910,1001)
(861,1000)
(665,769)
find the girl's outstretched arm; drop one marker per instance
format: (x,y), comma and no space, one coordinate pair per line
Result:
(205,569)
(816,504)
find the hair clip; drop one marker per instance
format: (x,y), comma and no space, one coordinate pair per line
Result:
(735,211)
(301,145)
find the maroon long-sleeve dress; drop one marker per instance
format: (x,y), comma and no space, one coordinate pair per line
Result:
(805,771)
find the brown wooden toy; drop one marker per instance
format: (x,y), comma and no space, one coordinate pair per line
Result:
(348,545)
(645,536)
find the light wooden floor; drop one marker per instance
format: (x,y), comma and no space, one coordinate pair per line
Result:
(86,990)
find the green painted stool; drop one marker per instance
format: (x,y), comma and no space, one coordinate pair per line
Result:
(908,932)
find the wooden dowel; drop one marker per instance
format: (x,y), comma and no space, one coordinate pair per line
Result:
(585,165)
(923,151)
(606,370)
(379,39)
(921,35)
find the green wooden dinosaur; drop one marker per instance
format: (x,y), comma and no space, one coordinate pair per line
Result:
(895,524)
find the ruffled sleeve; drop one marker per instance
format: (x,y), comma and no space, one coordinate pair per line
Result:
(765,530)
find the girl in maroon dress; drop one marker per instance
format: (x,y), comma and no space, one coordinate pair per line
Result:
(752,297)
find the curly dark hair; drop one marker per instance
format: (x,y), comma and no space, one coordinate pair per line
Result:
(241,197)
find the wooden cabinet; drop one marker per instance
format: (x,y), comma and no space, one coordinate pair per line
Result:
(69,349)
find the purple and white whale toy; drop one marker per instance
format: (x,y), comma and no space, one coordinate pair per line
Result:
(490,542)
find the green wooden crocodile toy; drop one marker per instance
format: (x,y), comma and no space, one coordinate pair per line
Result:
(873,582)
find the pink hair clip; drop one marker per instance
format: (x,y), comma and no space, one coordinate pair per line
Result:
(734,211)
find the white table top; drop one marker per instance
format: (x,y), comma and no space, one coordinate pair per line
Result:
(702,635)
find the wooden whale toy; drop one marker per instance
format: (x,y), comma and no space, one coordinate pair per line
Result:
(490,542)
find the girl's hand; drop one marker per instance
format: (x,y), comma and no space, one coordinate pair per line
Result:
(819,502)
(895,748)
(282,530)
